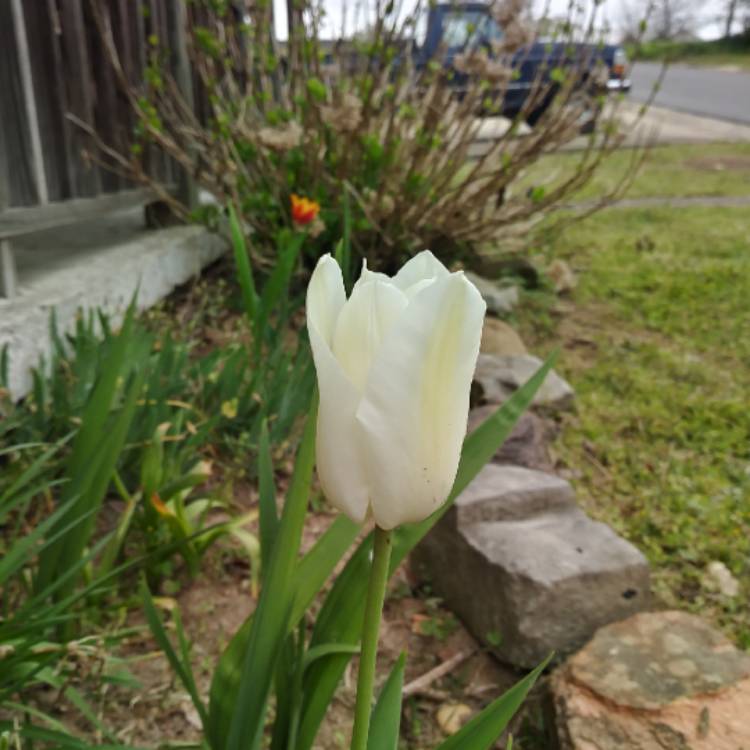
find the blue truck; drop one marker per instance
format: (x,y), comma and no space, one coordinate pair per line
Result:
(453,29)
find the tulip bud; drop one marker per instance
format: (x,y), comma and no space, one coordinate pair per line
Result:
(394,363)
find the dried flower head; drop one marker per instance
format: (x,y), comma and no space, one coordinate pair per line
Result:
(506,11)
(478,63)
(470,63)
(378,203)
(281,139)
(516,35)
(345,117)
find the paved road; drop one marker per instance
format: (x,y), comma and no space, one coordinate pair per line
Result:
(658,126)
(703,91)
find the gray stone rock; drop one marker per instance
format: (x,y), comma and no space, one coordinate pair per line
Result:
(497,377)
(500,338)
(657,681)
(511,493)
(498,264)
(527,443)
(526,570)
(500,300)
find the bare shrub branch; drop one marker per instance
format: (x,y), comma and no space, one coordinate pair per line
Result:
(397,129)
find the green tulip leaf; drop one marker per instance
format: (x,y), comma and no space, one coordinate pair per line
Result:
(327,649)
(244,272)
(316,566)
(386,716)
(268,518)
(482,731)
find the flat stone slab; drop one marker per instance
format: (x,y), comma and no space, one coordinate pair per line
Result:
(98,264)
(653,659)
(527,444)
(656,681)
(497,377)
(511,493)
(543,575)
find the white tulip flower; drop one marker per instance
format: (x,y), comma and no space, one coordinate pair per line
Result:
(394,363)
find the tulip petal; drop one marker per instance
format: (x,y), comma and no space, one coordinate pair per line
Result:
(338,457)
(367,275)
(339,464)
(422,266)
(325,297)
(363,322)
(415,407)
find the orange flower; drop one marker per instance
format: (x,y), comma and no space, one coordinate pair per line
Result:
(159,506)
(304,211)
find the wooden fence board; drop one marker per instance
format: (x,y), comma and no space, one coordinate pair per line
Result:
(107,114)
(53,65)
(138,34)
(16,141)
(67,127)
(36,156)
(79,92)
(50,99)
(158,163)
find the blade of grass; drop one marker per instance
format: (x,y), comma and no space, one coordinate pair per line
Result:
(343,248)
(236,718)
(93,457)
(180,666)
(23,549)
(242,261)
(56,739)
(101,470)
(55,724)
(31,473)
(276,287)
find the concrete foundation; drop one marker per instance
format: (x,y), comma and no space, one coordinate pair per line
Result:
(97,264)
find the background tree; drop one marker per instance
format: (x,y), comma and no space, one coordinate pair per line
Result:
(666,20)
(737,14)
(674,19)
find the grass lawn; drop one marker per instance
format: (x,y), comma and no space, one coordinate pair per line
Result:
(656,341)
(713,169)
(719,52)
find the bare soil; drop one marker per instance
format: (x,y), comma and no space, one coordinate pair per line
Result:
(215,604)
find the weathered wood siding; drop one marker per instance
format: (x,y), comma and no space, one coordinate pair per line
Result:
(63,67)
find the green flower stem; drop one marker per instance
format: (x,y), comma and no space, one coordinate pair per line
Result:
(370,631)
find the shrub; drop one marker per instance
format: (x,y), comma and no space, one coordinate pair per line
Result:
(364,122)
